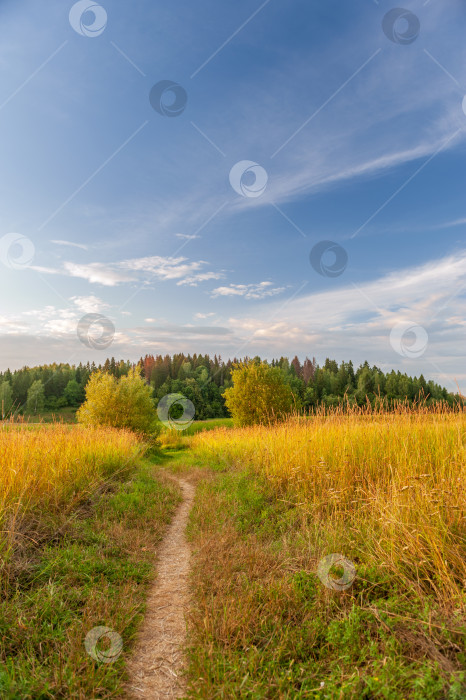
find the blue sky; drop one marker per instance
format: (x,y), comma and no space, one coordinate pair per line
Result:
(123,211)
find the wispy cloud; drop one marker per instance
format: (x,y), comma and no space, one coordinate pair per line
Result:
(194,280)
(70,244)
(89,304)
(248,291)
(98,273)
(111,274)
(420,293)
(452,224)
(355,321)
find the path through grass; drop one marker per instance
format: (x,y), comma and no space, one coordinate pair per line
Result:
(96,572)
(385,492)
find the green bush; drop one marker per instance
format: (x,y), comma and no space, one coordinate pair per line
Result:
(260,394)
(119,403)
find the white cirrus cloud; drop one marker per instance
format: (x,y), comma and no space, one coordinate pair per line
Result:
(354,321)
(248,291)
(164,268)
(141,270)
(98,273)
(90,304)
(70,244)
(194,280)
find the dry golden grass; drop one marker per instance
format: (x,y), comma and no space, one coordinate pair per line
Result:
(387,489)
(48,471)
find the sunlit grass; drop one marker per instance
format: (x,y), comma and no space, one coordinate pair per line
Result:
(385,489)
(96,572)
(47,471)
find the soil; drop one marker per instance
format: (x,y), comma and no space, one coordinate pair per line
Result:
(157,664)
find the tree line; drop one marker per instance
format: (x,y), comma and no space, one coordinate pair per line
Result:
(203,379)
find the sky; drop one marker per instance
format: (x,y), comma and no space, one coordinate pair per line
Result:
(245,178)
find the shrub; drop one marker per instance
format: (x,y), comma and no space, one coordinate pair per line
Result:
(119,403)
(259,394)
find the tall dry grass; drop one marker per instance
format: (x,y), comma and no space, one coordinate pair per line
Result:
(47,471)
(386,489)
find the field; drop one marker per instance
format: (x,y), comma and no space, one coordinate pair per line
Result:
(48,472)
(82,510)
(62,415)
(384,491)
(80,515)
(388,488)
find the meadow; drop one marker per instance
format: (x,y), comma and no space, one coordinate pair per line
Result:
(388,487)
(383,490)
(83,509)
(48,471)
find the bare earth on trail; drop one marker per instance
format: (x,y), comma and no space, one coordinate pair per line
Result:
(156,666)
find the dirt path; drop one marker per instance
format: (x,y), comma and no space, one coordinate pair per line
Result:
(157,662)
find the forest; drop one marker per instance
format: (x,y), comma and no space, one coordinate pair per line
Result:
(203,380)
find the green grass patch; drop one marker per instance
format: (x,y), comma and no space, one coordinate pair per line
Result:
(95,572)
(172,439)
(209,424)
(60,415)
